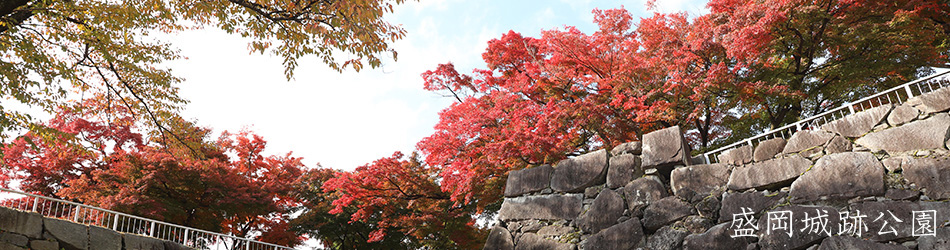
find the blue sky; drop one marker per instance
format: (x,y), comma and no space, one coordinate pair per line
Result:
(350,119)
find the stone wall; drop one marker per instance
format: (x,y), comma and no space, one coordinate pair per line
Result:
(877,179)
(21,230)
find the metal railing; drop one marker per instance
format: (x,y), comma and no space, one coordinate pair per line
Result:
(126,223)
(895,95)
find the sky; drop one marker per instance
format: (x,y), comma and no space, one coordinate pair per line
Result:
(345,120)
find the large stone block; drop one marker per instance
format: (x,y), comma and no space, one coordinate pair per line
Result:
(623,169)
(857,124)
(933,102)
(603,212)
(25,223)
(735,203)
(939,242)
(736,156)
(695,182)
(664,148)
(840,176)
(798,231)
(718,237)
(575,174)
(807,139)
(634,147)
(542,207)
(105,239)
(44,245)
(768,174)
(499,239)
(838,145)
(664,212)
(767,149)
(71,236)
(666,238)
(528,180)
(930,174)
(851,243)
(925,134)
(642,192)
(886,221)
(10,246)
(14,239)
(625,235)
(531,241)
(136,242)
(902,114)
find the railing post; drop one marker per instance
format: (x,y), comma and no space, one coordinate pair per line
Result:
(247,245)
(909,93)
(851,107)
(36,203)
(76,216)
(151,230)
(115,222)
(185,242)
(750,143)
(706,156)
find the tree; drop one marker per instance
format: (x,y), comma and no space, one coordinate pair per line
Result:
(402,196)
(827,52)
(226,186)
(56,50)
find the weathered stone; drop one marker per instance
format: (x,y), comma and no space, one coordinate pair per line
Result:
(893,164)
(709,207)
(664,148)
(10,246)
(933,102)
(528,180)
(851,243)
(719,237)
(71,236)
(625,235)
(105,239)
(544,207)
(901,194)
(939,242)
(642,192)
(930,174)
(137,242)
(887,216)
(603,213)
(733,203)
(576,174)
(694,224)
(768,174)
(44,245)
(666,238)
(25,223)
(736,156)
(840,176)
(531,226)
(175,246)
(15,239)
(555,230)
(499,238)
(902,114)
(926,134)
(531,241)
(793,237)
(767,149)
(634,147)
(857,124)
(695,182)
(807,139)
(592,192)
(664,212)
(837,145)
(623,169)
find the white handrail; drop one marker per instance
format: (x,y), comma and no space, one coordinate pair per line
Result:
(708,157)
(63,209)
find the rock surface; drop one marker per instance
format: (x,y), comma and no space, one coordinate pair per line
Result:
(719,237)
(695,182)
(768,174)
(545,207)
(576,174)
(857,124)
(71,236)
(499,238)
(664,147)
(666,238)
(802,233)
(603,213)
(733,204)
(623,169)
(625,235)
(634,147)
(767,149)
(528,180)
(643,191)
(531,241)
(851,243)
(105,239)
(840,176)
(936,101)
(902,114)
(664,212)
(807,139)
(838,145)
(925,134)
(736,156)
(29,224)
(933,175)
